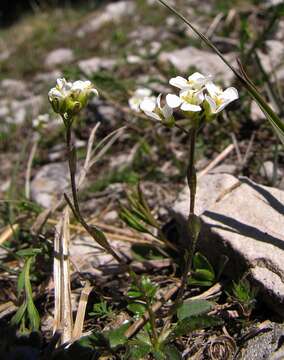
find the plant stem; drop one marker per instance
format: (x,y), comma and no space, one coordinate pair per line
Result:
(191,180)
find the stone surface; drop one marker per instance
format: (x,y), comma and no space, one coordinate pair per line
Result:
(113,12)
(90,66)
(16,111)
(49,184)
(264,345)
(58,57)
(89,257)
(273,59)
(12,87)
(203,61)
(244,221)
(267,171)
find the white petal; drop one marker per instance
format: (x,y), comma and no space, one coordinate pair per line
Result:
(222,107)
(173,101)
(213,89)
(179,82)
(54,93)
(143,92)
(196,76)
(159,101)
(148,104)
(190,107)
(199,97)
(153,115)
(231,94)
(134,104)
(211,103)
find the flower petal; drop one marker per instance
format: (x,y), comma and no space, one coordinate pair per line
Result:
(211,103)
(179,82)
(173,101)
(213,89)
(152,115)
(231,94)
(190,107)
(143,92)
(148,104)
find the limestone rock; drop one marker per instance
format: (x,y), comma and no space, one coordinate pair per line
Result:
(267,171)
(13,87)
(49,184)
(59,57)
(201,60)
(90,66)
(244,221)
(113,12)
(89,257)
(273,60)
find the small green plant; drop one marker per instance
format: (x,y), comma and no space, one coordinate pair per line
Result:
(27,316)
(102,310)
(244,294)
(203,273)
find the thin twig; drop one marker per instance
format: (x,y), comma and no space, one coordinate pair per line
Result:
(216,161)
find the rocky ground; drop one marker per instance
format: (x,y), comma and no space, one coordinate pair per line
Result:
(121,46)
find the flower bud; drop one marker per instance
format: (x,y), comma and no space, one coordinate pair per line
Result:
(68,99)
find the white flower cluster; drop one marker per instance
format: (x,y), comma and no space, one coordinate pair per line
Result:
(196,93)
(69,98)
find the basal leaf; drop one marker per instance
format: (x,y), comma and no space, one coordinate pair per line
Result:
(193,308)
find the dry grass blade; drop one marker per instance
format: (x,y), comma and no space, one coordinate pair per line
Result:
(62,291)
(8,232)
(79,322)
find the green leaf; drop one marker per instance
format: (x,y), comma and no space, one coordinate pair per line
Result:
(193,308)
(28,252)
(33,315)
(116,337)
(138,350)
(132,221)
(185,326)
(143,252)
(172,352)
(16,319)
(200,262)
(137,309)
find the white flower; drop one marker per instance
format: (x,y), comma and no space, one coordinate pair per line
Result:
(188,100)
(69,98)
(154,109)
(195,81)
(219,99)
(140,95)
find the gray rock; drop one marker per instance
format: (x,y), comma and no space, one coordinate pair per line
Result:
(201,60)
(59,57)
(264,345)
(255,113)
(113,12)
(49,184)
(90,66)
(48,77)
(21,109)
(12,87)
(89,257)
(244,221)
(273,60)
(267,171)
